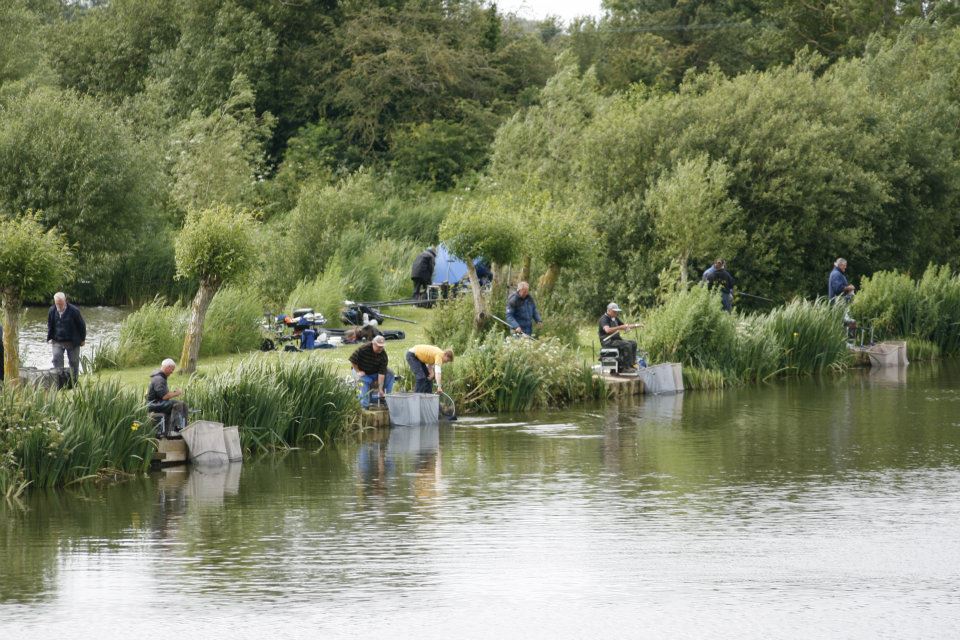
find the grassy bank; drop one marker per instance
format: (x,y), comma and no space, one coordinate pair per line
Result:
(98,429)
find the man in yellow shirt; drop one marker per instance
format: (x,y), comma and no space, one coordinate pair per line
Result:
(425,362)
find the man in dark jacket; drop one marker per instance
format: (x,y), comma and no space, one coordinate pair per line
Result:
(718,276)
(161,400)
(422,273)
(522,310)
(67,332)
(370,362)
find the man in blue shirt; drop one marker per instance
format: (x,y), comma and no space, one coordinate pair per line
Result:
(837,284)
(522,310)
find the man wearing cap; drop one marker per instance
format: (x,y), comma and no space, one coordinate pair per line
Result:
(610,338)
(369,362)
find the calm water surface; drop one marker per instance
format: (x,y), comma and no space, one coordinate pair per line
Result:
(822,509)
(103,324)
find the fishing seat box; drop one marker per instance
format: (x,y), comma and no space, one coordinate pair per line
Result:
(413,409)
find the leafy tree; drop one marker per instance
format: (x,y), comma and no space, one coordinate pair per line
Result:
(33,262)
(21,48)
(215,247)
(692,213)
(74,161)
(220,156)
(437,152)
(485,227)
(564,238)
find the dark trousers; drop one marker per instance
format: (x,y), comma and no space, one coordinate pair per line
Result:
(626,352)
(420,372)
(420,288)
(174,413)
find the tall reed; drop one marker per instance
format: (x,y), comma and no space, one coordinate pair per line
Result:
(811,336)
(277,402)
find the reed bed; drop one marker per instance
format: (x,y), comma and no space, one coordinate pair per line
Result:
(798,339)
(928,309)
(277,403)
(514,375)
(50,439)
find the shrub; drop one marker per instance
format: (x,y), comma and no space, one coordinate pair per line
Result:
(941,289)
(359,281)
(451,324)
(233,322)
(276,402)
(520,375)
(811,336)
(919,350)
(692,328)
(891,303)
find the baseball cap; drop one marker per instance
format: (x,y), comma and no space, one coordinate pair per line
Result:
(613,307)
(379,340)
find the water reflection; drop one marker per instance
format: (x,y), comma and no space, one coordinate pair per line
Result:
(827,506)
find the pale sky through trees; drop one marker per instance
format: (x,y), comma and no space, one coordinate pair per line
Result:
(539,9)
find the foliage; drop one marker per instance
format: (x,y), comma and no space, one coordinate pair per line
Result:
(357,280)
(920,350)
(49,439)
(73,160)
(692,213)
(482,226)
(233,322)
(215,245)
(451,324)
(511,375)
(811,336)
(438,152)
(277,403)
(32,262)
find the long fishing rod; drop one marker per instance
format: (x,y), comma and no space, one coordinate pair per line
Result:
(622,327)
(507,325)
(750,295)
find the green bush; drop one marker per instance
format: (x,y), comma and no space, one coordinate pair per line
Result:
(277,402)
(357,281)
(919,350)
(891,303)
(232,324)
(451,324)
(520,375)
(49,439)
(810,335)
(940,287)
(691,327)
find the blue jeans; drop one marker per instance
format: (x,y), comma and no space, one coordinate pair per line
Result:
(369,382)
(420,373)
(726,299)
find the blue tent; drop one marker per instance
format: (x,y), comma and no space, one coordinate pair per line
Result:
(448,268)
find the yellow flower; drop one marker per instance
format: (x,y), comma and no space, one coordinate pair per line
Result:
(134,426)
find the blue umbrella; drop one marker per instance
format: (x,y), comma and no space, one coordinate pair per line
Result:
(448,268)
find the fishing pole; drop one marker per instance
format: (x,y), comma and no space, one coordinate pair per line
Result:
(750,295)
(512,330)
(622,327)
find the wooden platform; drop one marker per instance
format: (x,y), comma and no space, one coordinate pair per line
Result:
(622,386)
(377,418)
(170,452)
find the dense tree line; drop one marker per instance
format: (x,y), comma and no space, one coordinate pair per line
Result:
(618,154)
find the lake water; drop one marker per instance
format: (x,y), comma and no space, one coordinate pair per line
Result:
(103,324)
(812,509)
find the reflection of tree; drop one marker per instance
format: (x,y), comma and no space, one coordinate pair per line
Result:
(86,518)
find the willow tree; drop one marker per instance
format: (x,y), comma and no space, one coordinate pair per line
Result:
(33,263)
(482,227)
(692,213)
(214,247)
(564,239)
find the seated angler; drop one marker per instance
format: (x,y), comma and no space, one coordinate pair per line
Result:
(369,362)
(610,327)
(161,400)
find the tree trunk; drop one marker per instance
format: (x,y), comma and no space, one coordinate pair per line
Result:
(198,311)
(479,307)
(11,339)
(548,280)
(525,270)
